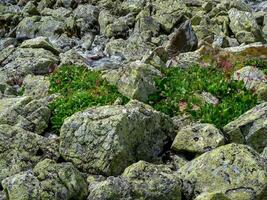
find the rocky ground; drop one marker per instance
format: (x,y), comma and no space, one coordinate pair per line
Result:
(129,151)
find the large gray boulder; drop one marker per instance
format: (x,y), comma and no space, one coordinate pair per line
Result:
(249,128)
(48,180)
(25,112)
(228,169)
(20,150)
(105,140)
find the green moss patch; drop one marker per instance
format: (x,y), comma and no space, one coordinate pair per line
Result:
(79,88)
(178,89)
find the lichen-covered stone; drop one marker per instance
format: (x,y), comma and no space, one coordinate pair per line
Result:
(31,115)
(212,196)
(249,128)
(150,181)
(24,61)
(112,188)
(20,150)
(36,86)
(136,81)
(48,180)
(105,140)
(40,42)
(198,138)
(228,168)
(244,21)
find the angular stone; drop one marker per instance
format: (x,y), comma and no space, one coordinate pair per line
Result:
(198,138)
(153,181)
(182,40)
(249,128)
(227,168)
(31,115)
(136,81)
(48,180)
(40,42)
(105,140)
(36,86)
(20,150)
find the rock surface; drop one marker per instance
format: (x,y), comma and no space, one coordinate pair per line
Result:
(105,140)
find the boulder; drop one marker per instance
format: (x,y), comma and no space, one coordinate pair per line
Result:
(107,139)
(112,188)
(31,115)
(40,42)
(36,86)
(48,180)
(197,138)
(150,181)
(241,21)
(249,128)
(136,81)
(231,168)
(182,40)
(20,150)
(212,196)
(24,61)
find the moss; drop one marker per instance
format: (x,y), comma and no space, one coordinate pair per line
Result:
(177,88)
(79,88)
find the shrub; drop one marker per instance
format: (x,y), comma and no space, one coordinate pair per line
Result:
(79,88)
(177,89)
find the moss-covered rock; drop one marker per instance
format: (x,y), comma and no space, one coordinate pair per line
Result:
(20,150)
(105,140)
(198,138)
(48,180)
(249,128)
(232,167)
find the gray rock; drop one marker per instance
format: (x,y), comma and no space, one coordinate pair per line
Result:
(249,128)
(150,181)
(20,150)
(182,40)
(48,180)
(229,168)
(105,140)
(31,115)
(198,138)
(136,81)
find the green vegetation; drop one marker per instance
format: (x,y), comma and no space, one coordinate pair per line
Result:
(79,88)
(178,88)
(259,63)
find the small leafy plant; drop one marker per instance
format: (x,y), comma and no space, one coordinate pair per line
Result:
(177,89)
(79,88)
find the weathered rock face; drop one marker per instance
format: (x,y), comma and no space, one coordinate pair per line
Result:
(36,86)
(198,138)
(48,180)
(230,168)
(136,81)
(244,26)
(250,128)
(31,115)
(24,61)
(105,140)
(20,150)
(182,40)
(141,180)
(152,181)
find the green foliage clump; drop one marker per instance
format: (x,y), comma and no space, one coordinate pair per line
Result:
(179,87)
(79,88)
(259,63)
